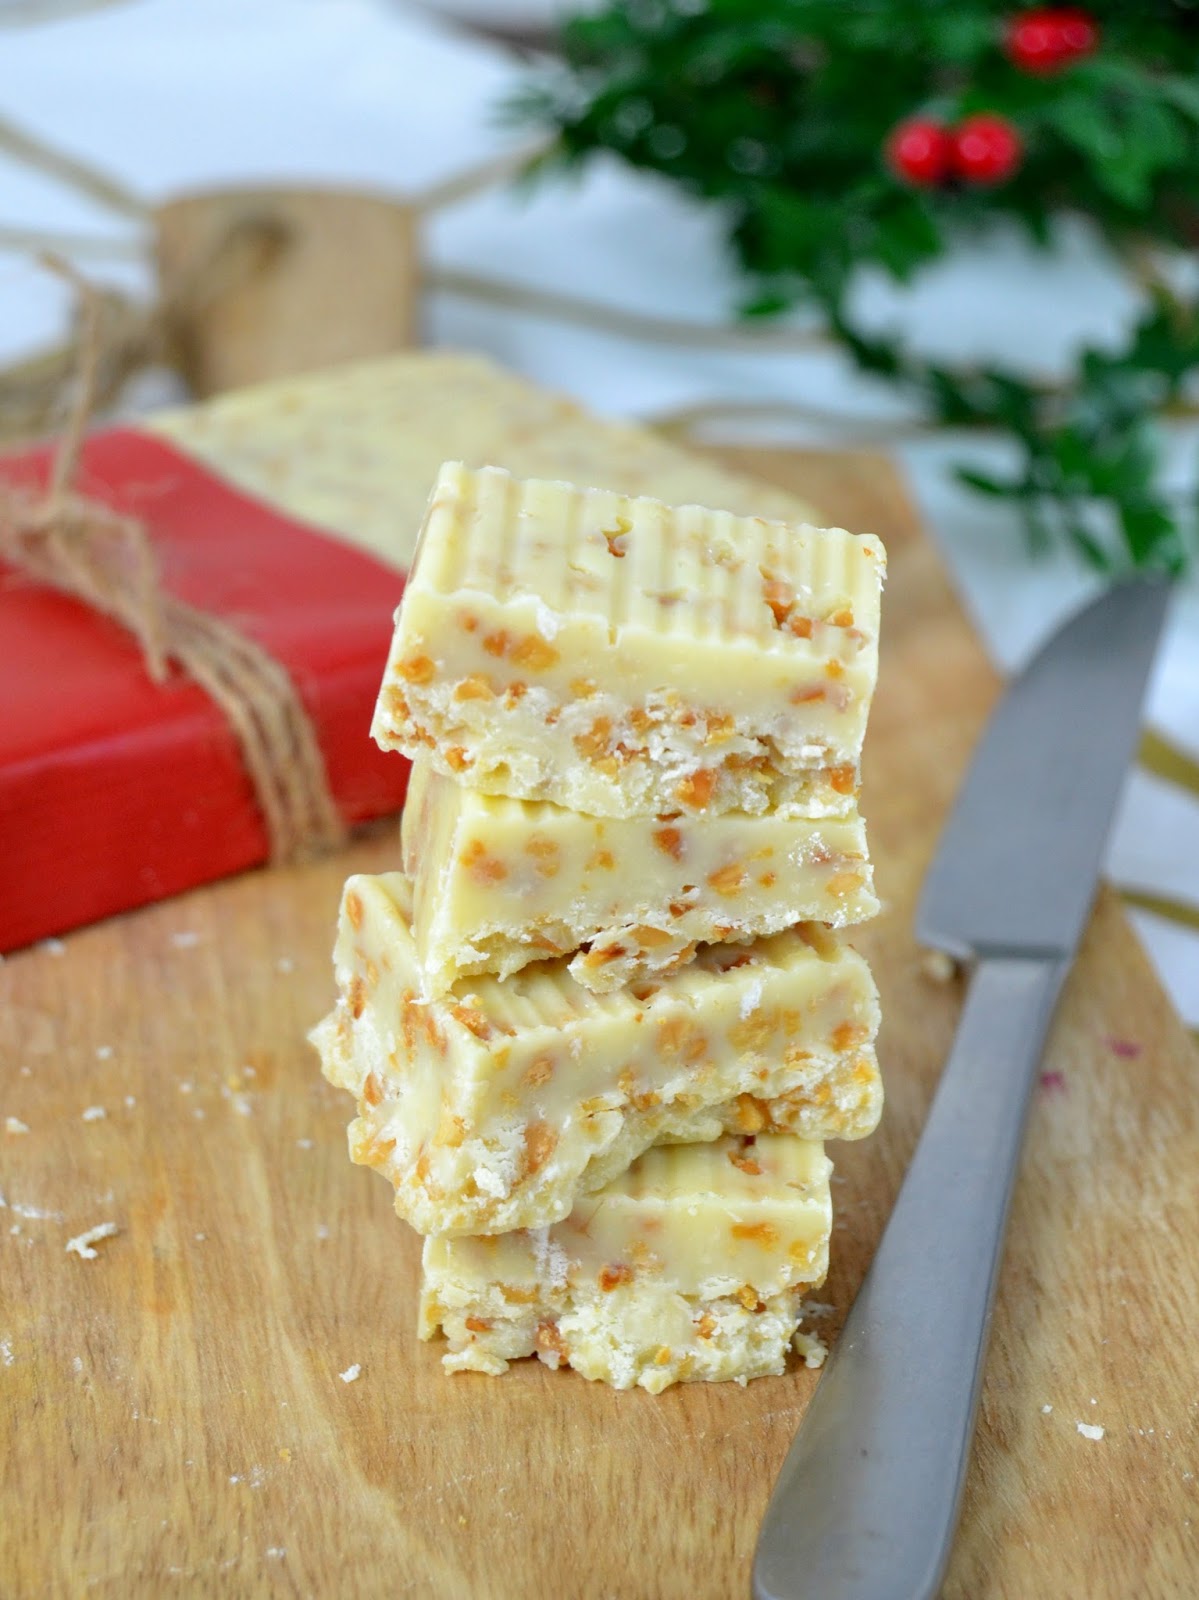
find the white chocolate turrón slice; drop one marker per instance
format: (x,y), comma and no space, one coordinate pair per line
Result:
(494,1106)
(498,883)
(619,656)
(690,1265)
(354,447)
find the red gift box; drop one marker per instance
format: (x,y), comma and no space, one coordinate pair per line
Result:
(115,790)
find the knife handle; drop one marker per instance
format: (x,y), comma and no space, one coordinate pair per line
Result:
(867,1501)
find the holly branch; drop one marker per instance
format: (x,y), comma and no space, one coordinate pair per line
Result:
(834,136)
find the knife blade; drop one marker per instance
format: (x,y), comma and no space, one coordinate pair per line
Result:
(1016,864)
(867,1502)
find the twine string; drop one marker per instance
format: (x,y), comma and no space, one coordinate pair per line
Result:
(88,550)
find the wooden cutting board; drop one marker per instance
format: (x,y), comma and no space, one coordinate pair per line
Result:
(173,1419)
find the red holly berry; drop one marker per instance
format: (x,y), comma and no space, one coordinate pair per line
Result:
(986,149)
(918,151)
(1043,42)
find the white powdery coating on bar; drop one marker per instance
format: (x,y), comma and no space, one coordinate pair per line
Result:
(751,999)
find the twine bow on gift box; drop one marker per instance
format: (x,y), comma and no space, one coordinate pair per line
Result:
(250,283)
(90,551)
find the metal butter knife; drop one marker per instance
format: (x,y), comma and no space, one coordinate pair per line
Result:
(867,1501)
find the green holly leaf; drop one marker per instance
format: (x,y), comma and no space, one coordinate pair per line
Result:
(769,303)
(985,483)
(1181,93)
(1093,552)
(779,112)
(1151,535)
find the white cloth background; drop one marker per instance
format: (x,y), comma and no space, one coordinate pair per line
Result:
(167,95)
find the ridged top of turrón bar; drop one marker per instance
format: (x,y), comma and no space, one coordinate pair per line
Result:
(677,570)
(376,916)
(772,1166)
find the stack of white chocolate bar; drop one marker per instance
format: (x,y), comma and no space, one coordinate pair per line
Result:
(600,1024)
